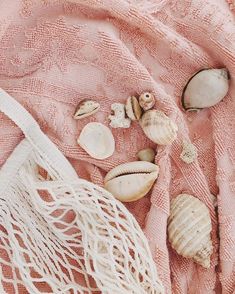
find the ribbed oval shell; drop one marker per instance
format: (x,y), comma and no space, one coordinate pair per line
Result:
(189,228)
(205,89)
(133,109)
(158,127)
(131,181)
(97,140)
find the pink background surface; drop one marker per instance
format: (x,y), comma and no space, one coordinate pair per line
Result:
(54,54)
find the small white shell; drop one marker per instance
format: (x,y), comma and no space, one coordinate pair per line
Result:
(146,101)
(158,127)
(189,228)
(118,119)
(147,154)
(133,109)
(189,152)
(86,108)
(97,140)
(205,89)
(131,181)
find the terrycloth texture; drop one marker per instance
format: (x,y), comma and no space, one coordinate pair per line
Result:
(55,53)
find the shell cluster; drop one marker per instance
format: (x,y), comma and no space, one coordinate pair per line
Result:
(189,228)
(131,111)
(97,140)
(131,181)
(158,127)
(206,88)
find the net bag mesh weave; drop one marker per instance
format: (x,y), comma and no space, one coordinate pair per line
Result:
(62,234)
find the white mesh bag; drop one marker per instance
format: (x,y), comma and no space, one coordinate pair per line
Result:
(62,234)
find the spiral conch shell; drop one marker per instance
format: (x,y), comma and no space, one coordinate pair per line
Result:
(158,127)
(189,227)
(97,140)
(205,89)
(131,181)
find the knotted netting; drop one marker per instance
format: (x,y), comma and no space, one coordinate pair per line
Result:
(62,234)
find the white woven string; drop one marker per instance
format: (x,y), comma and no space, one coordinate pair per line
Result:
(62,234)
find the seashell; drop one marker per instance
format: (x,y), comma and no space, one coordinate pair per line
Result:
(189,152)
(189,227)
(133,109)
(118,119)
(205,89)
(158,127)
(146,101)
(86,108)
(97,140)
(131,181)
(147,154)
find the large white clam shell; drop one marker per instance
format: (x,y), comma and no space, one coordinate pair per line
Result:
(205,89)
(158,127)
(97,140)
(189,227)
(131,181)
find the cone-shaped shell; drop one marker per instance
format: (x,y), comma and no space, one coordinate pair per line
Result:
(131,181)
(205,89)
(97,140)
(189,227)
(158,127)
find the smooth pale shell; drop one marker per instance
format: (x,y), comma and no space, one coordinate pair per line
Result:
(133,109)
(146,101)
(147,154)
(131,181)
(97,140)
(86,108)
(189,228)
(205,89)
(158,127)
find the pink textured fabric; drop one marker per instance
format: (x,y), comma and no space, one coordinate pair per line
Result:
(55,53)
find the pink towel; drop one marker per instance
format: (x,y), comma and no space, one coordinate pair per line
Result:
(54,53)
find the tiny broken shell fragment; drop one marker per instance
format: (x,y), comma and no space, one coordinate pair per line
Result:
(133,109)
(86,108)
(189,152)
(158,127)
(189,228)
(146,101)
(118,119)
(206,88)
(131,181)
(147,154)
(97,140)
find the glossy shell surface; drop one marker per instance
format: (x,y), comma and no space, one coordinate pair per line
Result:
(131,181)
(97,140)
